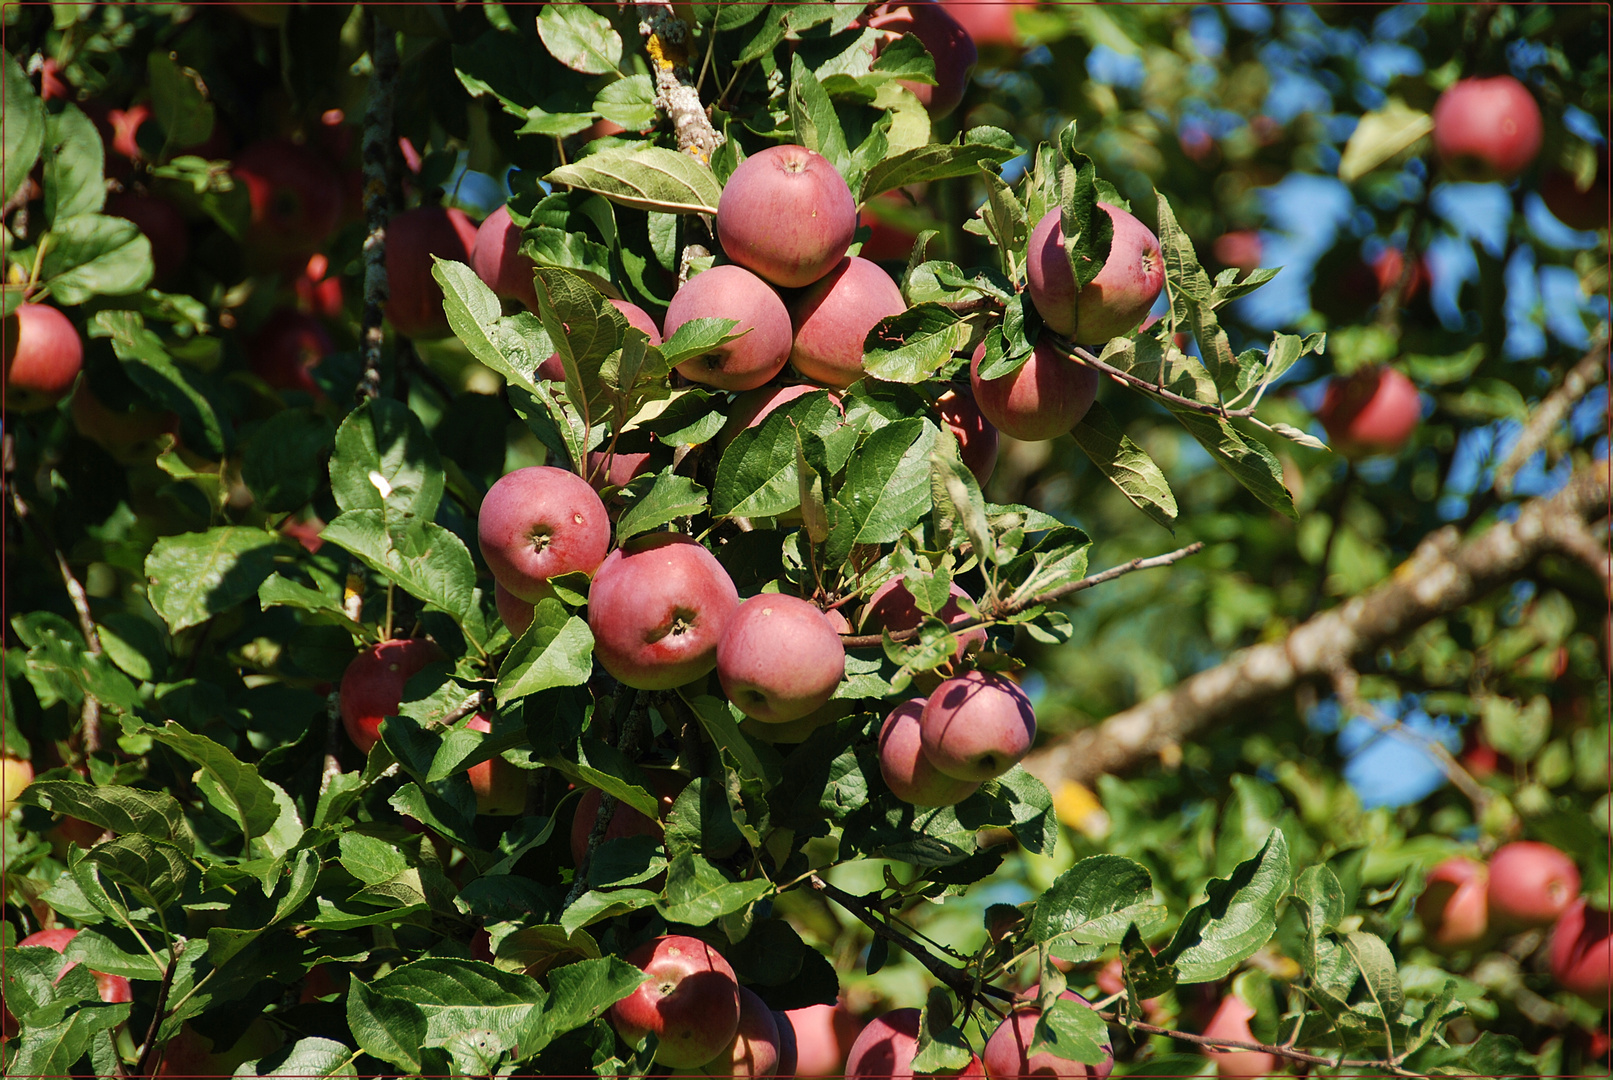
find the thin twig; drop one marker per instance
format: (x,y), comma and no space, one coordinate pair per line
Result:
(868,641)
(1259,1047)
(144,1066)
(1591,370)
(379,145)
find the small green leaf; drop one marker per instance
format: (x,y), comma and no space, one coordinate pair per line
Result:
(194,576)
(580,38)
(671,497)
(556,650)
(1236,918)
(1126,465)
(645,177)
(179,100)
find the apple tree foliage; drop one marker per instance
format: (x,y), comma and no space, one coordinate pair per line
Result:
(236,843)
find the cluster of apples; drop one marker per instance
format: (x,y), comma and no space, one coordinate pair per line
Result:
(1526,885)
(706,1024)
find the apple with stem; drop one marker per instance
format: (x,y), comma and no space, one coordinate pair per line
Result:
(762,631)
(690,1001)
(540,522)
(1114,301)
(657,608)
(372,685)
(907,772)
(785,214)
(977,726)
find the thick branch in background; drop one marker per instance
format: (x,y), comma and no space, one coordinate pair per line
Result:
(379,148)
(1442,575)
(666,40)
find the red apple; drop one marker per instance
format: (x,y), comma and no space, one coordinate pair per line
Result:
(907,772)
(786,214)
(286,350)
(625,822)
(306,531)
(162,224)
(762,631)
(1487,129)
(657,608)
(1387,268)
(1231,1021)
(1111,980)
(732,292)
(789,1051)
(296,197)
(824,1035)
(944,37)
(990,23)
(887,241)
(51,86)
(499,786)
(624,469)
(885,1048)
(540,522)
(318,294)
(515,613)
(1008,1049)
(1111,304)
(977,726)
(690,1002)
(414,306)
(113,989)
(321,982)
(43,354)
(1239,249)
(1374,411)
(1582,951)
(1453,907)
(1047,396)
(15,776)
(754,406)
(893,608)
(1531,884)
(372,685)
(496,257)
(977,436)
(833,316)
(755,1049)
(555,371)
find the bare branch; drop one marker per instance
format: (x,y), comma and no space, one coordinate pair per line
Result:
(1591,370)
(378,149)
(1442,575)
(868,641)
(666,42)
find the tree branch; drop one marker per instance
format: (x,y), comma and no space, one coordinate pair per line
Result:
(868,641)
(666,42)
(378,148)
(1442,575)
(1237,1044)
(1591,369)
(146,1064)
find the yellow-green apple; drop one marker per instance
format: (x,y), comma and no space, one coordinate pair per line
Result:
(1231,1021)
(414,302)
(779,658)
(690,1001)
(43,354)
(943,37)
(540,522)
(833,317)
(1531,885)
(1487,129)
(1109,305)
(977,436)
(1045,397)
(1453,908)
(732,292)
(372,685)
(657,607)
(884,1050)
(499,786)
(977,726)
(907,772)
(1374,411)
(786,214)
(1008,1049)
(1582,950)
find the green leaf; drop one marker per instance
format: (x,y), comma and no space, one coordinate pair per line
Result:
(53,1050)
(148,365)
(23,135)
(1377,965)
(756,477)
(644,177)
(455,996)
(1126,465)
(122,809)
(74,159)
(283,463)
(595,905)
(886,490)
(93,255)
(817,127)
(429,562)
(581,992)
(556,650)
(1236,918)
(673,496)
(941,1046)
(1245,460)
(386,1027)
(179,100)
(232,786)
(698,894)
(580,38)
(912,346)
(1094,901)
(629,102)
(153,871)
(384,460)
(277,591)
(1381,135)
(724,731)
(1072,1031)
(312,1058)
(194,576)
